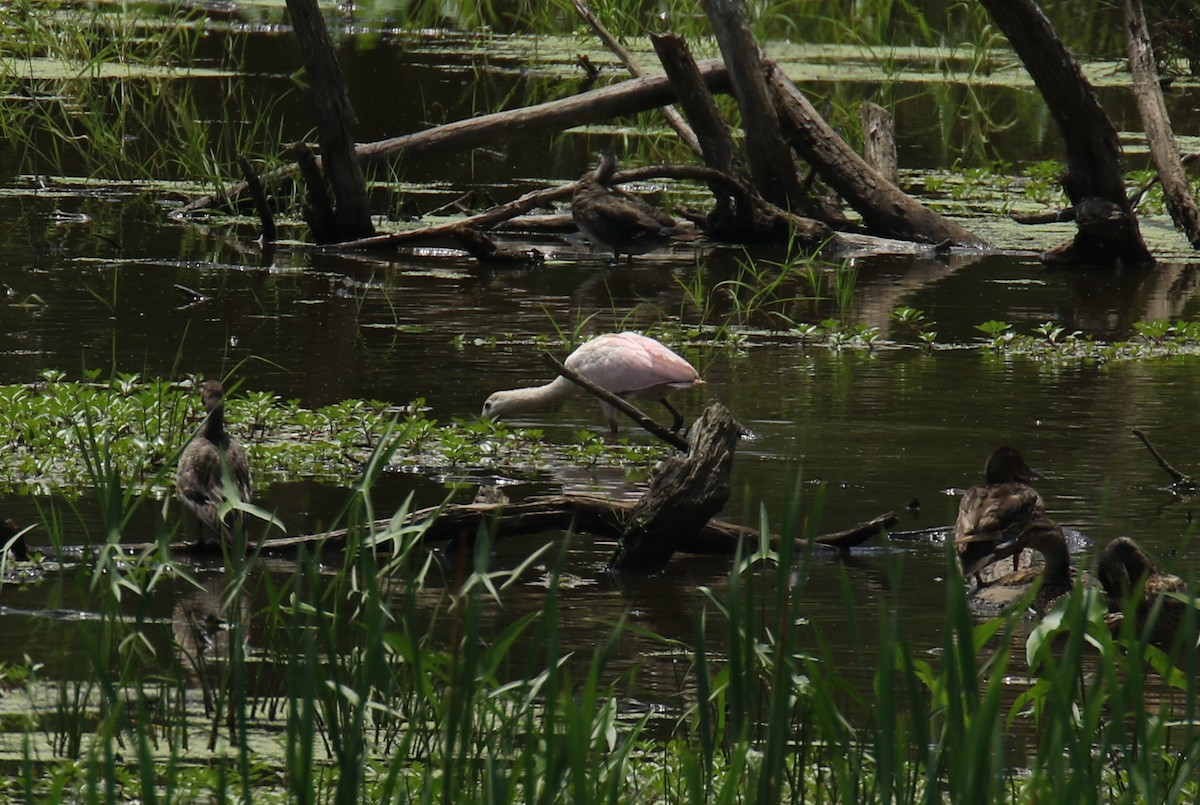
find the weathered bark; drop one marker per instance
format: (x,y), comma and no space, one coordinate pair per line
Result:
(771,162)
(588,514)
(685,492)
(488,252)
(1157,124)
(806,230)
(879,141)
(335,122)
(265,218)
(740,214)
(674,119)
(624,406)
(1093,150)
(625,98)
(885,209)
(317,210)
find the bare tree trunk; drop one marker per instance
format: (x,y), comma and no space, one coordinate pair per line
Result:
(1163,149)
(770,159)
(335,122)
(879,141)
(739,215)
(1093,150)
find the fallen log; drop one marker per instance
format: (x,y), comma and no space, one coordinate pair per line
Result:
(624,98)
(587,514)
(885,208)
(674,119)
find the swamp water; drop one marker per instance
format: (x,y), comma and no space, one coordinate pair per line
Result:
(843,433)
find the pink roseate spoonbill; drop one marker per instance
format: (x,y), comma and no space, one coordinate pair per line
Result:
(627,364)
(200,478)
(997,509)
(623,222)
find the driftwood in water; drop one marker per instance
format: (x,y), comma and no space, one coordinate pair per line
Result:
(886,209)
(674,119)
(587,514)
(1093,149)
(741,214)
(265,218)
(879,141)
(770,159)
(624,406)
(335,124)
(685,492)
(1179,481)
(625,98)
(1163,150)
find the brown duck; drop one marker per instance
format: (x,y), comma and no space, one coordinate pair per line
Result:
(997,509)
(1042,535)
(1125,570)
(623,222)
(199,481)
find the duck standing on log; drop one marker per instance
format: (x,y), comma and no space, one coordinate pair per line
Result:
(621,221)
(1125,570)
(629,365)
(997,509)
(200,478)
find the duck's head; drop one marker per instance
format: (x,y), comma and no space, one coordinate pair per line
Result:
(1006,465)
(607,166)
(212,394)
(1122,565)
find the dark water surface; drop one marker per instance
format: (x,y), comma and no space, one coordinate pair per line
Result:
(849,434)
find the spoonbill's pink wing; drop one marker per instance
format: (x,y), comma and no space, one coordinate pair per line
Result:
(626,363)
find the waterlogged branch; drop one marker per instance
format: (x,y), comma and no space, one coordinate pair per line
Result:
(674,119)
(594,106)
(1178,479)
(648,424)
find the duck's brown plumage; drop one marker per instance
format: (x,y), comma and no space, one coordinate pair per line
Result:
(1124,570)
(1046,537)
(997,509)
(621,221)
(198,480)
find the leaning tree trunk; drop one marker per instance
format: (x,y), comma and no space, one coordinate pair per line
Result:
(351,217)
(1108,231)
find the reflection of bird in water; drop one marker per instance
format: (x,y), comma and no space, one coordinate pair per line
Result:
(201,625)
(1042,535)
(997,509)
(1125,571)
(629,365)
(209,457)
(621,221)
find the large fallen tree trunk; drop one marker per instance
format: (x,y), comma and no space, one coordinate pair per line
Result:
(886,209)
(624,98)
(584,514)
(1108,230)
